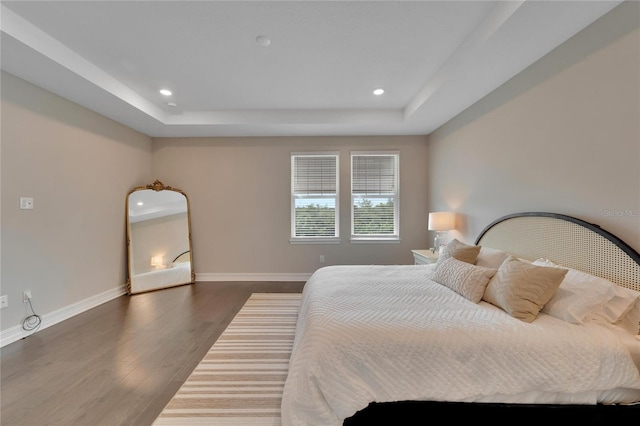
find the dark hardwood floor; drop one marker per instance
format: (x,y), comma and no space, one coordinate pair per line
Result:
(121,362)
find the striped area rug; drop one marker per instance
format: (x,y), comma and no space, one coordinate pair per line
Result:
(241,379)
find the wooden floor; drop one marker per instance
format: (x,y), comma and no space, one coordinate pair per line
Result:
(121,362)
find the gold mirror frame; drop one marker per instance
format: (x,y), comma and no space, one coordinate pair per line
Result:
(163,276)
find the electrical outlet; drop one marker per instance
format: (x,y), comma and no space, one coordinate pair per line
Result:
(322,258)
(4,301)
(26,296)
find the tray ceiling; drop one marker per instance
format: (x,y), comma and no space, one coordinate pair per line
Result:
(282,68)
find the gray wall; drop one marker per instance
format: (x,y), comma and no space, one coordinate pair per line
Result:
(563,136)
(239,193)
(78,166)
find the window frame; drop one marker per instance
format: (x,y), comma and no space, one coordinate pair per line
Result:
(377,238)
(316,239)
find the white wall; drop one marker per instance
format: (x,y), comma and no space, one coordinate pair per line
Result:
(563,136)
(78,166)
(239,193)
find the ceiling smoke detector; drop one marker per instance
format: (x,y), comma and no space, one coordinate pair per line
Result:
(263,41)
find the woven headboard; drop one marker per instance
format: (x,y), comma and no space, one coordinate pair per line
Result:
(567,241)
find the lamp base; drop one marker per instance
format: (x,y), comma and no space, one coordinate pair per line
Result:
(437,241)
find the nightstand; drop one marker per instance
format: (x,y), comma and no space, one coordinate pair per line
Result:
(424,257)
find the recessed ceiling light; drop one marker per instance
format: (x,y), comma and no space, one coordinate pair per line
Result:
(140,203)
(172,104)
(165,92)
(378,92)
(263,41)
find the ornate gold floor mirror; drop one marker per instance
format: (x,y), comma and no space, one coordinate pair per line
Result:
(159,246)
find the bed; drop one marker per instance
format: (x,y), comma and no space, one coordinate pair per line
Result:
(392,341)
(178,272)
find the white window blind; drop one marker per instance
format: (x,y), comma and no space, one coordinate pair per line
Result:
(374,196)
(314,196)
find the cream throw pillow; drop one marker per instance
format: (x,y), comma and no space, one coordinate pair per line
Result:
(522,289)
(460,251)
(464,278)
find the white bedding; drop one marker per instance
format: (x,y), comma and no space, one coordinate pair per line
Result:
(180,273)
(388,333)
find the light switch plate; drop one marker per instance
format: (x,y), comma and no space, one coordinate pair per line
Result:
(26,203)
(4,301)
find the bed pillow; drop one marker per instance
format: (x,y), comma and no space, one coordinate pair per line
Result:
(622,310)
(630,321)
(521,289)
(490,257)
(619,305)
(460,251)
(464,278)
(590,298)
(580,294)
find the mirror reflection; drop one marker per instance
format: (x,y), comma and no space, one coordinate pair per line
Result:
(159,238)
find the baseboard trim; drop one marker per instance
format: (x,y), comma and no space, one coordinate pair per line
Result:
(213,277)
(16,333)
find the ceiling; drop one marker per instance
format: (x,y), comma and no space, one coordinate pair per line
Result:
(282,68)
(151,204)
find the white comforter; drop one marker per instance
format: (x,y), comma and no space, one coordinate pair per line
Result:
(179,274)
(388,333)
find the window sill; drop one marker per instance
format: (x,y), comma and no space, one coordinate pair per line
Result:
(315,241)
(373,240)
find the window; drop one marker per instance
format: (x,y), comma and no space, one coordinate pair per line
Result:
(314,197)
(374,196)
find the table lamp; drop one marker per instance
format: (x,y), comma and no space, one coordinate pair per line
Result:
(156,261)
(441,222)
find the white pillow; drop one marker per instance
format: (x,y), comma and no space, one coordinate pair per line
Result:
(579,295)
(464,278)
(490,257)
(583,297)
(631,320)
(622,310)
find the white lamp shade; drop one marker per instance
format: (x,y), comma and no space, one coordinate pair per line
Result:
(156,260)
(442,221)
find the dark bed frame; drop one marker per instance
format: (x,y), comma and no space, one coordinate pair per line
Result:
(180,255)
(409,413)
(424,412)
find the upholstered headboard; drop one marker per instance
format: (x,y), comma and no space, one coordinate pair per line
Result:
(567,241)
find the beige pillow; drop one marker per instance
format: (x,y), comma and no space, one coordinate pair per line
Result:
(464,278)
(522,289)
(460,251)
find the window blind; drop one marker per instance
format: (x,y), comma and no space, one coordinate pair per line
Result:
(374,174)
(374,196)
(314,175)
(314,196)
